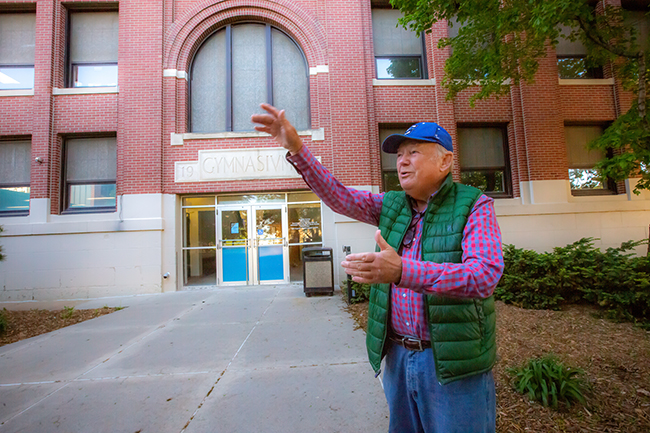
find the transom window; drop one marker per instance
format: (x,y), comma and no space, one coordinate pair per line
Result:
(241,66)
(398,52)
(483,159)
(17,43)
(93,46)
(15,171)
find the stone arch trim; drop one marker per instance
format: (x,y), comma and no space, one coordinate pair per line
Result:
(188,32)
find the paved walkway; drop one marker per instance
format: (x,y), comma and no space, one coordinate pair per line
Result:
(262,359)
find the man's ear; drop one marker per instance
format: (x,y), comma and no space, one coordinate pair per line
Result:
(447,160)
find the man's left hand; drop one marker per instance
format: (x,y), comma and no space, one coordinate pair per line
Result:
(372,268)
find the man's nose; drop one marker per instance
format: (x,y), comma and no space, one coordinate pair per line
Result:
(403,160)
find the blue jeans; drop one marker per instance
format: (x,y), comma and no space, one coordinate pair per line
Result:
(418,403)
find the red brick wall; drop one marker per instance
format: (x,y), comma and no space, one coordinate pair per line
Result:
(157,35)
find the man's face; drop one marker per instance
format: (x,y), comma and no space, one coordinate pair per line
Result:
(420,168)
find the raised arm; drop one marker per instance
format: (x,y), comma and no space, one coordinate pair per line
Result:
(279,127)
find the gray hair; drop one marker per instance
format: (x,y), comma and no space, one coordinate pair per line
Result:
(441,152)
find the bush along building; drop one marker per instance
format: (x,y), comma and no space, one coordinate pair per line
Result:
(128,162)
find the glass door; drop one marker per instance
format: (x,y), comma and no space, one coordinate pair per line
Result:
(270,244)
(234,245)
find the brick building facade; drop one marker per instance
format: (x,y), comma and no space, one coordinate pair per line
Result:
(120,174)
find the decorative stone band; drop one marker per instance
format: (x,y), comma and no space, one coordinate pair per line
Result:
(236,164)
(174,73)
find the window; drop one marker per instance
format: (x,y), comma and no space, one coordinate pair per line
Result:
(571,59)
(17,42)
(241,66)
(92,53)
(483,156)
(90,174)
(398,52)
(15,170)
(635,15)
(389,178)
(305,229)
(584,178)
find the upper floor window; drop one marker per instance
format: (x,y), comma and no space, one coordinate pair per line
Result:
(572,59)
(92,49)
(17,42)
(15,171)
(90,172)
(483,156)
(399,53)
(582,175)
(241,66)
(636,16)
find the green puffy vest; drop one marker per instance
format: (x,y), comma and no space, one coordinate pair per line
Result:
(462,330)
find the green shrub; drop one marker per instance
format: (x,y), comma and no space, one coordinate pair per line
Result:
(615,279)
(4,324)
(548,381)
(361,291)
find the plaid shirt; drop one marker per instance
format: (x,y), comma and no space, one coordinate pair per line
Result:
(475,277)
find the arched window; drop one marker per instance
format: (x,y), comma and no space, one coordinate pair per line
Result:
(239,67)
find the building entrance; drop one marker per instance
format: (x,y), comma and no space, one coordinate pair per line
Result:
(252,244)
(248,239)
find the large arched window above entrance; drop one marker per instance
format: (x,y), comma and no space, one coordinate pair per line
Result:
(241,66)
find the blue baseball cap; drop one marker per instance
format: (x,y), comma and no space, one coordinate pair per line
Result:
(423,131)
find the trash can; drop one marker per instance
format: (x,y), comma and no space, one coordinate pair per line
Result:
(318,270)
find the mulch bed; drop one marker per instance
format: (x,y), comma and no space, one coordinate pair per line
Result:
(614,356)
(27,324)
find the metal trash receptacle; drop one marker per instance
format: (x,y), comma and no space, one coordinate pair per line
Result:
(318,270)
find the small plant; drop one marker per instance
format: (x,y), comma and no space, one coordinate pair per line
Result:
(549,381)
(67,312)
(4,324)
(361,291)
(119,308)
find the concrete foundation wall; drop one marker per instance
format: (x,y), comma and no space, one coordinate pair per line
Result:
(89,255)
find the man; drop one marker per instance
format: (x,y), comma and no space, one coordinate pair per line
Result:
(438,259)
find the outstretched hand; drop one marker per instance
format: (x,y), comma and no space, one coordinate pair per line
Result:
(279,127)
(372,268)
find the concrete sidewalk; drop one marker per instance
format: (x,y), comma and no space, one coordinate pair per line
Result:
(254,359)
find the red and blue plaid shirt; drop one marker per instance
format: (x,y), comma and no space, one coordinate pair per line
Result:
(475,277)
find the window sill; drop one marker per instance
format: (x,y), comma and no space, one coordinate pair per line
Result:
(5,214)
(179,139)
(84,90)
(586,82)
(89,210)
(17,92)
(389,82)
(597,196)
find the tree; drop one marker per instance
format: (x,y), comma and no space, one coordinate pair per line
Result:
(500,42)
